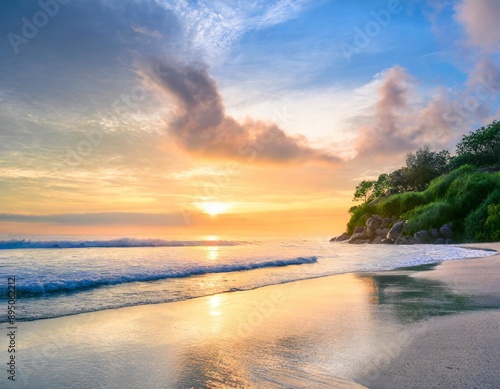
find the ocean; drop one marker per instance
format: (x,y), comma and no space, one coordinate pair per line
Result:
(59,276)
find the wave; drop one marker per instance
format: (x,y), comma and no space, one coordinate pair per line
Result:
(123,242)
(27,289)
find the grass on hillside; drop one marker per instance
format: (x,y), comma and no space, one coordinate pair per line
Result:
(467,200)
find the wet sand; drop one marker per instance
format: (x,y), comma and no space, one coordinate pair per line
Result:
(433,326)
(458,351)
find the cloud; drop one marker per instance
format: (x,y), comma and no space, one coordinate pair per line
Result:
(102,218)
(401,123)
(480,20)
(456,110)
(200,125)
(212,27)
(144,31)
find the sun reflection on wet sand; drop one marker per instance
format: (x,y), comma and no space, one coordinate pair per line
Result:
(215,304)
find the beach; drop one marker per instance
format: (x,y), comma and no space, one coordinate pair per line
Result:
(457,351)
(422,327)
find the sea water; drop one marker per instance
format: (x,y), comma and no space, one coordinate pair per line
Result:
(58,277)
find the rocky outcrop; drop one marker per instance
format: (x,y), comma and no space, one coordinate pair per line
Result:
(341,238)
(379,230)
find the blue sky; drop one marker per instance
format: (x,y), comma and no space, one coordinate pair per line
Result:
(174,91)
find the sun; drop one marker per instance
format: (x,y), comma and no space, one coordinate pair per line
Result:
(213,208)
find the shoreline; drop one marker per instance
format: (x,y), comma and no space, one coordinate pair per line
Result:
(472,246)
(341,331)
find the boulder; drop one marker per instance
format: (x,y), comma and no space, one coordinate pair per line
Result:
(386,222)
(360,235)
(370,233)
(449,241)
(446,231)
(396,229)
(423,236)
(440,241)
(358,241)
(377,217)
(386,241)
(435,234)
(382,231)
(401,241)
(374,224)
(378,239)
(412,240)
(370,219)
(340,238)
(359,229)
(420,240)
(406,240)
(344,236)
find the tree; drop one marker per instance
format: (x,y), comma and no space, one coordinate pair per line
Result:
(381,186)
(369,190)
(480,147)
(421,168)
(424,166)
(399,180)
(364,190)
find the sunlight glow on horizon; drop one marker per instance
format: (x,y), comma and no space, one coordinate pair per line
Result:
(213,208)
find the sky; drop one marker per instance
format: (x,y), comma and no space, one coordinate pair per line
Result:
(228,118)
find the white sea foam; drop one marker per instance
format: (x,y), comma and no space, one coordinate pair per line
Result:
(123,242)
(75,284)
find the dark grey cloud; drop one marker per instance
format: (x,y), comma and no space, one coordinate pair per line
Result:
(201,126)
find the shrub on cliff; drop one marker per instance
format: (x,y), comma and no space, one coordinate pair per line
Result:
(359,216)
(428,216)
(441,185)
(479,225)
(396,205)
(493,221)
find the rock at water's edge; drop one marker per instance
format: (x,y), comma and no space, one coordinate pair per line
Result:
(395,231)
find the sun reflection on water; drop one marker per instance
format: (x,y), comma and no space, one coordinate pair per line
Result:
(212,253)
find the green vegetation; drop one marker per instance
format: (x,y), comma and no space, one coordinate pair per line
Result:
(435,189)
(480,147)
(370,190)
